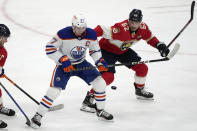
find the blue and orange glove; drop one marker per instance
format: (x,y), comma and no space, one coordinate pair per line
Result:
(66,64)
(102,65)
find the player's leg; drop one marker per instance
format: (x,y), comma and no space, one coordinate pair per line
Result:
(3,109)
(111,59)
(93,77)
(141,71)
(99,87)
(108,76)
(58,83)
(140,79)
(88,104)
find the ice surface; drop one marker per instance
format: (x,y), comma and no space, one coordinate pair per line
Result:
(33,22)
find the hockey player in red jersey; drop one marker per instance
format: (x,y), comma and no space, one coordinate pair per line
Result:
(115,47)
(4,34)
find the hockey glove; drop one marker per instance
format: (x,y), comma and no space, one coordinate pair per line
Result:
(163,49)
(66,64)
(1,72)
(102,65)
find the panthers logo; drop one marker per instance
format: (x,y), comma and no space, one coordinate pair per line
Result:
(126,45)
(78,52)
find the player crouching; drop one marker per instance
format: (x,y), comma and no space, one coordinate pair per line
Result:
(68,50)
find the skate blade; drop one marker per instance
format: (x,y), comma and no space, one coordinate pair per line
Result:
(34,126)
(144,98)
(87,109)
(56,107)
(105,120)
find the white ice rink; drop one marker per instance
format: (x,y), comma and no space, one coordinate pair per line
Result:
(174,83)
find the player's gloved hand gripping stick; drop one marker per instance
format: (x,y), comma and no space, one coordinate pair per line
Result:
(168,57)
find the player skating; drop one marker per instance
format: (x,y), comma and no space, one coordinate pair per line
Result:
(4,34)
(115,47)
(68,50)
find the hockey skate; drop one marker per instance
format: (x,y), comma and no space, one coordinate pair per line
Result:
(7,111)
(142,94)
(36,121)
(3,124)
(88,104)
(103,115)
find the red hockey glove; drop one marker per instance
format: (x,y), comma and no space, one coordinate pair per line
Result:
(66,64)
(102,65)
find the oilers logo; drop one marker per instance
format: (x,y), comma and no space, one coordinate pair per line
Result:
(78,52)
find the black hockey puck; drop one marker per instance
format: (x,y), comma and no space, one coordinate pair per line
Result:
(113,87)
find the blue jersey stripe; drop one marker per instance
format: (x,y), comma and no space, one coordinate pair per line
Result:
(48,98)
(99,92)
(100,99)
(50,52)
(44,105)
(50,46)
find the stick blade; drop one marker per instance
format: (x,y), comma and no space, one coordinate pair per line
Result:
(56,107)
(174,51)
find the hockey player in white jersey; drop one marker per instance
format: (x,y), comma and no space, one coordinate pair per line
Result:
(68,49)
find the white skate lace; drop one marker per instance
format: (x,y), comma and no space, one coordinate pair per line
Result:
(1,121)
(145,92)
(91,100)
(104,113)
(37,118)
(4,110)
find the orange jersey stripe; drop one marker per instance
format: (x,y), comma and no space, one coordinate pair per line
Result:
(51,83)
(46,102)
(100,96)
(50,49)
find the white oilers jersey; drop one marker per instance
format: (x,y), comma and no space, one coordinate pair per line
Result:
(66,43)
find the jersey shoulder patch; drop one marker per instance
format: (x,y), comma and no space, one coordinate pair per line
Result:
(143,26)
(120,27)
(66,33)
(91,34)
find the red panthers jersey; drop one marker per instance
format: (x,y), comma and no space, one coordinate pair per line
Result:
(3,56)
(118,38)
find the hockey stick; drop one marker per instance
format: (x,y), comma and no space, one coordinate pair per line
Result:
(27,119)
(170,55)
(53,108)
(191,18)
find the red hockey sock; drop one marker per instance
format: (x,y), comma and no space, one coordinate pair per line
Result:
(139,85)
(92,91)
(140,69)
(108,77)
